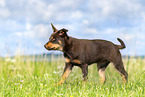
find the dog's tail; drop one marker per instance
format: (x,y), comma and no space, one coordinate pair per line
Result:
(122,46)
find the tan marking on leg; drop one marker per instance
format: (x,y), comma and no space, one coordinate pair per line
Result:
(64,76)
(124,79)
(67,60)
(102,75)
(77,61)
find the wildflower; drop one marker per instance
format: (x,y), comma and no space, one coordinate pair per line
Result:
(16,83)
(59,67)
(19,75)
(21,86)
(13,60)
(56,72)
(58,94)
(46,75)
(10,60)
(41,84)
(12,67)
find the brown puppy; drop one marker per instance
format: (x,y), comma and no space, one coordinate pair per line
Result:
(83,52)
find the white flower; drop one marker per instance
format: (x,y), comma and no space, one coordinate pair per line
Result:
(12,67)
(21,86)
(10,60)
(56,72)
(13,60)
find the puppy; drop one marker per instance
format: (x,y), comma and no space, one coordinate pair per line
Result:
(83,52)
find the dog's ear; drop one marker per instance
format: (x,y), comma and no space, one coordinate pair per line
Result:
(63,33)
(54,29)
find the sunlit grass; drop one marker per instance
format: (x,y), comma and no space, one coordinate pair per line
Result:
(24,76)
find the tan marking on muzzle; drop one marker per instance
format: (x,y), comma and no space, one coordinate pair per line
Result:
(55,46)
(59,42)
(51,38)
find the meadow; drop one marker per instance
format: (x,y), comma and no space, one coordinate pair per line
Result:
(28,77)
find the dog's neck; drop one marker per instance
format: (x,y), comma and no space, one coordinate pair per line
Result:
(69,47)
(68,44)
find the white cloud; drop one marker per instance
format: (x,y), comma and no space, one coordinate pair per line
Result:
(115,8)
(37,31)
(32,18)
(85,22)
(141,43)
(41,30)
(28,26)
(90,31)
(66,3)
(141,36)
(4,13)
(2,3)
(76,15)
(110,31)
(129,36)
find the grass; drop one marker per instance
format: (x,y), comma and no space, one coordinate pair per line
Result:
(25,77)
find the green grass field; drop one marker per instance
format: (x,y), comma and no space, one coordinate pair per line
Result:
(25,77)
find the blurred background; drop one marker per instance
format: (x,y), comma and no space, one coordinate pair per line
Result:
(25,24)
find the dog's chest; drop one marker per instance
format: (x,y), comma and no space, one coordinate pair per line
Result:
(75,61)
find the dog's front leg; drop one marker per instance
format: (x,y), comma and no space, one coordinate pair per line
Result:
(84,68)
(66,72)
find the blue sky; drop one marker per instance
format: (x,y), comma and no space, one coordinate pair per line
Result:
(25,24)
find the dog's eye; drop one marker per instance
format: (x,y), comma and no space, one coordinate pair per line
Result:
(53,39)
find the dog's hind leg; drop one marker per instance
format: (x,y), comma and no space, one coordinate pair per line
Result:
(119,66)
(101,69)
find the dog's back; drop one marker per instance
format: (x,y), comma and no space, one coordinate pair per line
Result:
(91,51)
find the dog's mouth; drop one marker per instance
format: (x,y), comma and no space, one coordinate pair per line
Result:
(53,47)
(50,48)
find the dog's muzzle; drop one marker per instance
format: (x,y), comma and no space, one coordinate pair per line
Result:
(46,46)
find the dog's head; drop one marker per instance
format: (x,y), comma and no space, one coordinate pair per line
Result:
(57,39)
